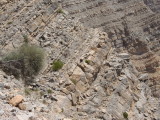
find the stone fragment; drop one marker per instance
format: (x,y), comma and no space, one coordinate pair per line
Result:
(1,85)
(65,91)
(22,106)
(46,44)
(143,77)
(124,56)
(78,73)
(80,86)
(16,100)
(74,99)
(1,112)
(63,102)
(67,119)
(2,96)
(7,87)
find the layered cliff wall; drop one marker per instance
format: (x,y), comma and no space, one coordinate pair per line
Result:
(111,51)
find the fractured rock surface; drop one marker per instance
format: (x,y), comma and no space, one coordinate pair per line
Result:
(111,51)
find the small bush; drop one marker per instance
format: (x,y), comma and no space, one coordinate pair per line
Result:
(125,115)
(57,65)
(29,59)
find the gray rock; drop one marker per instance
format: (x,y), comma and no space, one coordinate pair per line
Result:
(143,77)
(1,112)
(23,116)
(1,85)
(124,56)
(88,109)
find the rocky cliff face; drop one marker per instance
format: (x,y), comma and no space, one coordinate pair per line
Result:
(111,51)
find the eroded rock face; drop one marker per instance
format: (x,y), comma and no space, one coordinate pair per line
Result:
(111,53)
(153,4)
(130,25)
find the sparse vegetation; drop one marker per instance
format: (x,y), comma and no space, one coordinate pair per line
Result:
(25,37)
(27,91)
(57,65)
(49,91)
(125,115)
(88,61)
(9,23)
(74,81)
(60,10)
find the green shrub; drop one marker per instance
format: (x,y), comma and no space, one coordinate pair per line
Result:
(33,57)
(49,91)
(88,61)
(125,115)
(56,65)
(60,10)
(30,60)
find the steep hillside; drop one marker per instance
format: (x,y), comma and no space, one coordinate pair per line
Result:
(111,55)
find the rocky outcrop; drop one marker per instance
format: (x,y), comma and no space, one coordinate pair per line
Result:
(111,55)
(130,25)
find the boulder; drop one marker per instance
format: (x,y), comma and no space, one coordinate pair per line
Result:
(16,100)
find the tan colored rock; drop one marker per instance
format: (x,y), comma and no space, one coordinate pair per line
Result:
(65,91)
(78,71)
(77,74)
(22,106)
(16,100)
